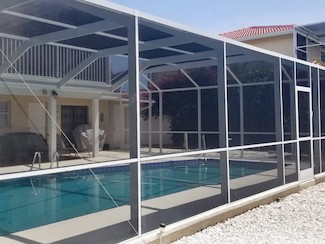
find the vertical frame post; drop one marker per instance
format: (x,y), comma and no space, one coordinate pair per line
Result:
(223,122)
(52,127)
(296,119)
(316,118)
(134,122)
(199,117)
(278,106)
(150,123)
(95,127)
(161,107)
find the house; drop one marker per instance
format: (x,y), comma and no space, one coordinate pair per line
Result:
(305,42)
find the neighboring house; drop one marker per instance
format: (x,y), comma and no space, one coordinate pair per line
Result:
(304,42)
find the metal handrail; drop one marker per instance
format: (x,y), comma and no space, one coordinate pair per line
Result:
(37,155)
(56,155)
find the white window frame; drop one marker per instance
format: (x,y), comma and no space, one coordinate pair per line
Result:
(322,55)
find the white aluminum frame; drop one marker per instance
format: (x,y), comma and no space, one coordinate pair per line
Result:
(131,19)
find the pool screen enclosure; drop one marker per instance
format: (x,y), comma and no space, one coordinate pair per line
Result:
(91,86)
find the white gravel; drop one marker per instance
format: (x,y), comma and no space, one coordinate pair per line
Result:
(298,218)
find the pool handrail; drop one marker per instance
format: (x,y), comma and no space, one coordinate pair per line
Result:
(36,155)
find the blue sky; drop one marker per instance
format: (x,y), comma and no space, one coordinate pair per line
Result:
(218,16)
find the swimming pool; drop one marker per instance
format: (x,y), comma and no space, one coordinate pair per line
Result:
(31,202)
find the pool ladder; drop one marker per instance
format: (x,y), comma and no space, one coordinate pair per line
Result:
(37,155)
(56,157)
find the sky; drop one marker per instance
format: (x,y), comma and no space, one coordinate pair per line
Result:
(219,16)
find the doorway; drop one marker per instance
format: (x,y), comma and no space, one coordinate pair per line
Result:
(121,126)
(36,118)
(71,117)
(304,133)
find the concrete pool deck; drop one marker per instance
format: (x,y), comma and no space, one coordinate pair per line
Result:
(75,160)
(116,155)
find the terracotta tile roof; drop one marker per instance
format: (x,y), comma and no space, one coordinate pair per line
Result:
(256,31)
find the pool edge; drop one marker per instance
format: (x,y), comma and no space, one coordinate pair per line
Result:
(201,221)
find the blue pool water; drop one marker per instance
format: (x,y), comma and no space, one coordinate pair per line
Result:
(30,202)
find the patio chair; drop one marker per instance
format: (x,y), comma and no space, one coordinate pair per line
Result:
(62,148)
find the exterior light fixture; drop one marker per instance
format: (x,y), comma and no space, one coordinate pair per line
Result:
(54,94)
(162,227)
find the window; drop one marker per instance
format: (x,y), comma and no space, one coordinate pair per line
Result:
(322,56)
(301,55)
(4,114)
(301,47)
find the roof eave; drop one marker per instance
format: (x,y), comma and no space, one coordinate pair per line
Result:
(267,35)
